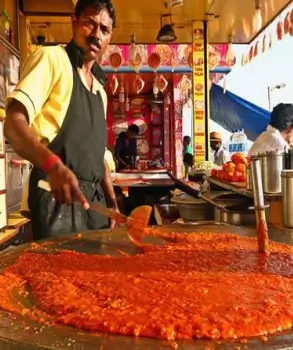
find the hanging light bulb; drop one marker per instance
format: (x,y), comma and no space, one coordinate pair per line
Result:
(121,96)
(189,100)
(224,84)
(175,3)
(127,104)
(155,90)
(168,99)
(230,56)
(257,18)
(132,50)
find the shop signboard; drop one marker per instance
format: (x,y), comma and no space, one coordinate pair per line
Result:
(199,88)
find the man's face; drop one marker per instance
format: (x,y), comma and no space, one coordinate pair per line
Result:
(215,145)
(96,26)
(190,162)
(290,137)
(131,134)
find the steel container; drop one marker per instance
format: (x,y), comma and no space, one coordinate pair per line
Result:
(287,198)
(272,164)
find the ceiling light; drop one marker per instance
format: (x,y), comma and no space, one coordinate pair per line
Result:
(132,49)
(166,33)
(257,18)
(230,55)
(175,3)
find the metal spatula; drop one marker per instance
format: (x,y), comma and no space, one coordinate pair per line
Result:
(136,223)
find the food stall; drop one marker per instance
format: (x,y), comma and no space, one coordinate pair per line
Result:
(152,94)
(98,290)
(152,98)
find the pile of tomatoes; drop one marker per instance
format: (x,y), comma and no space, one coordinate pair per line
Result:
(234,170)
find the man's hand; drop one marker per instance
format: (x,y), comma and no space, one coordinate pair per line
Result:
(64,185)
(112,221)
(109,193)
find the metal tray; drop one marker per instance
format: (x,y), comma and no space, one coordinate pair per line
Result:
(17,332)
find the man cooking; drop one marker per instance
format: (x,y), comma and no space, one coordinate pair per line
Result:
(55,118)
(221,156)
(126,148)
(278,134)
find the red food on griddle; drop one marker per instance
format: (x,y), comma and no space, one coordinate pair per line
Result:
(213,286)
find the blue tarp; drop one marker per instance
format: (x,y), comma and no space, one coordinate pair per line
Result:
(233,113)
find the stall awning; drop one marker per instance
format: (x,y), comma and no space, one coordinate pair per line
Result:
(233,113)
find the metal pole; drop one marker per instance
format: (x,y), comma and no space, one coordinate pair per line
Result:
(269,97)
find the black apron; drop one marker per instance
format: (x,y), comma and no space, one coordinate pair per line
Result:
(80,144)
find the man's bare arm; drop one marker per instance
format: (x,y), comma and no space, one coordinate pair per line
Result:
(63,182)
(19,135)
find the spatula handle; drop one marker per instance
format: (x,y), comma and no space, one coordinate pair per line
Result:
(110,213)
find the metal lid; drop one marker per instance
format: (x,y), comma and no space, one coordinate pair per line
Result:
(288,173)
(272,153)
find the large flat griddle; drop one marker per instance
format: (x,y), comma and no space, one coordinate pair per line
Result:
(17,332)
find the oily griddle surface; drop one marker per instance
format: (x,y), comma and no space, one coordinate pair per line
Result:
(17,332)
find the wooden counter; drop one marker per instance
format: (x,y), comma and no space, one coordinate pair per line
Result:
(16,227)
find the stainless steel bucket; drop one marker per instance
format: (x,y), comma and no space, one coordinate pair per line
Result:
(287,198)
(272,164)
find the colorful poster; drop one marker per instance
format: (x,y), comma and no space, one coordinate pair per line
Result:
(174,55)
(199,91)
(167,135)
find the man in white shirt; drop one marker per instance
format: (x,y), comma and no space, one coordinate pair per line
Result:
(221,156)
(279,132)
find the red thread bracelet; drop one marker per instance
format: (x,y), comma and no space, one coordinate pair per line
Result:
(52,160)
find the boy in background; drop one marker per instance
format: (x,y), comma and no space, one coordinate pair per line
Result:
(187,145)
(188,164)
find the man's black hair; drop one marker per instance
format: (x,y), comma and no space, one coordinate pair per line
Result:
(282,116)
(187,139)
(188,158)
(134,128)
(100,5)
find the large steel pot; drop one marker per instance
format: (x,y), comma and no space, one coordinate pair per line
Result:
(239,215)
(287,198)
(196,212)
(228,199)
(231,199)
(169,211)
(272,164)
(193,209)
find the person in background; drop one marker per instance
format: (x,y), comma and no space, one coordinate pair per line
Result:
(221,156)
(187,148)
(278,134)
(126,148)
(188,163)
